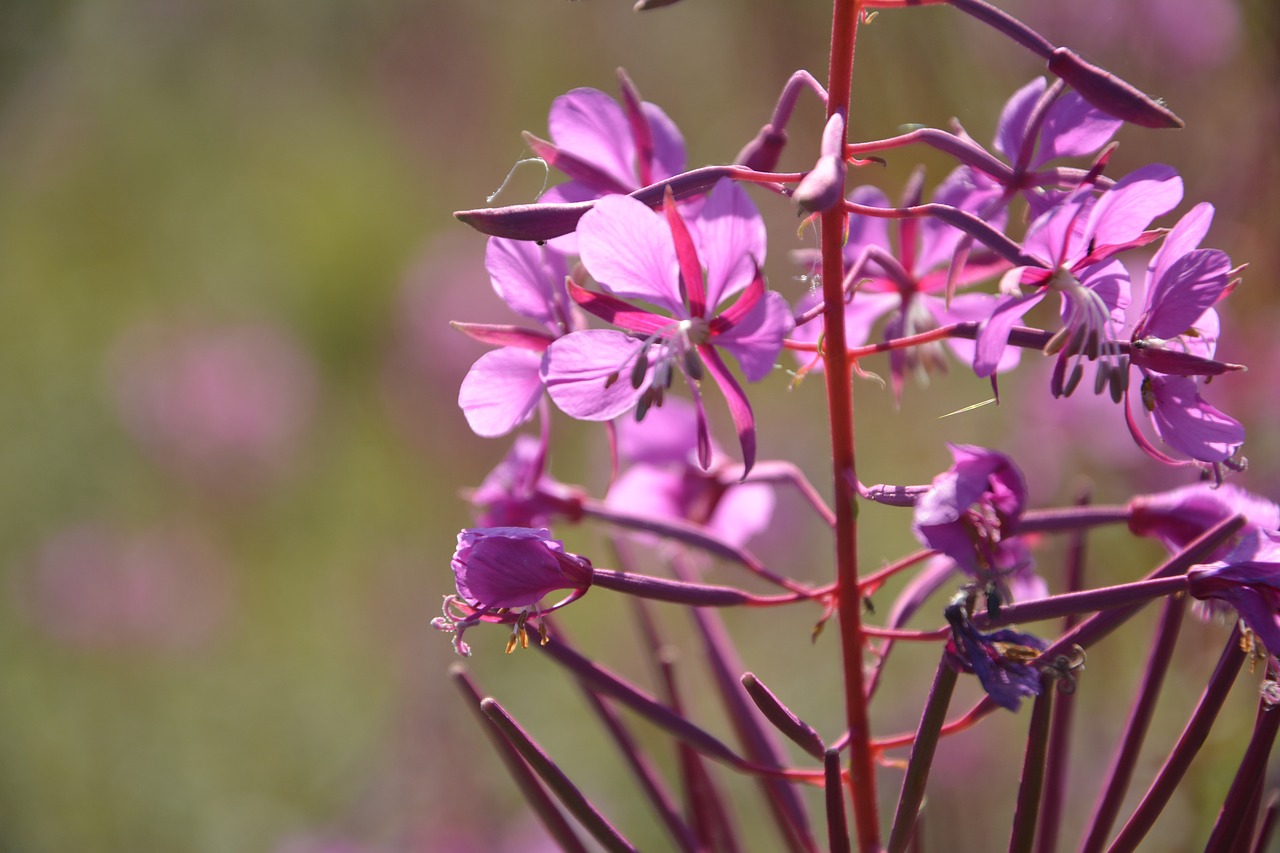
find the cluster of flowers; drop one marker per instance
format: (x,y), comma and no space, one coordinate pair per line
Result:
(671,260)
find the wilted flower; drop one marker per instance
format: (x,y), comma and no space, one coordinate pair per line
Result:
(498,569)
(1003,660)
(1248,579)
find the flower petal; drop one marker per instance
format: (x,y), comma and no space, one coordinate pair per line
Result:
(501,390)
(590,125)
(577,369)
(526,277)
(1128,208)
(756,339)
(1190,425)
(1073,128)
(627,248)
(1012,127)
(731,240)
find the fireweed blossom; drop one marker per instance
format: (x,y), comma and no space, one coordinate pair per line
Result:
(500,569)
(1038,125)
(968,514)
(1247,579)
(605,148)
(502,389)
(691,270)
(1075,244)
(1184,282)
(910,285)
(1176,517)
(518,492)
(663,480)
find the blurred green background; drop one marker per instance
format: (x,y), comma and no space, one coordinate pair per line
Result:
(228,486)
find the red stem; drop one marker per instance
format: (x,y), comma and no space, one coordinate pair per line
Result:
(839,366)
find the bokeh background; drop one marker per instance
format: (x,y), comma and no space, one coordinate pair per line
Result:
(232,454)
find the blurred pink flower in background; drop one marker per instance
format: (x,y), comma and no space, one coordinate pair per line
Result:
(1201,34)
(94,586)
(222,407)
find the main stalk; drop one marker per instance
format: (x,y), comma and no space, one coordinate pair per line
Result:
(839,372)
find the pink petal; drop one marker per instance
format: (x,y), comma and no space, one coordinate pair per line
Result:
(1192,285)
(993,334)
(1012,127)
(1073,128)
(501,391)
(577,367)
(1190,425)
(1128,208)
(731,240)
(756,340)
(590,125)
(526,276)
(627,248)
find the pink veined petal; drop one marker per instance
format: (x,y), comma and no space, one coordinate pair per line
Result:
(501,391)
(1183,238)
(730,235)
(1192,285)
(1012,127)
(590,125)
(744,420)
(525,276)
(993,334)
(1073,128)
(1188,424)
(668,144)
(1128,208)
(744,511)
(627,248)
(1110,280)
(1058,235)
(970,308)
(756,340)
(577,367)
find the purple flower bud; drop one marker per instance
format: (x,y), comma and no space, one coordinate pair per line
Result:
(514,567)
(823,188)
(1109,93)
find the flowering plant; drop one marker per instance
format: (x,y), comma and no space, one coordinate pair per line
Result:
(639,271)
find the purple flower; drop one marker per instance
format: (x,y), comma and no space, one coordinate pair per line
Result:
(497,569)
(1176,517)
(664,482)
(910,285)
(503,387)
(690,270)
(519,493)
(1003,660)
(1183,284)
(1248,579)
(968,514)
(1075,244)
(605,148)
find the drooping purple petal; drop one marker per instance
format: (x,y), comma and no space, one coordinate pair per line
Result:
(1128,208)
(577,368)
(731,240)
(514,566)
(501,391)
(627,248)
(1181,239)
(1190,425)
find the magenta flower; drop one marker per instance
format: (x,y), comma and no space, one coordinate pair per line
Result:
(1248,579)
(1003,660)
(605,148)
(664,482)
(1033,131)
(502,389)
(496,569)
(1176,517)
(519,493)
(910,285)
(691,271)
(1075,243)
(969,514)
(1183,284)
